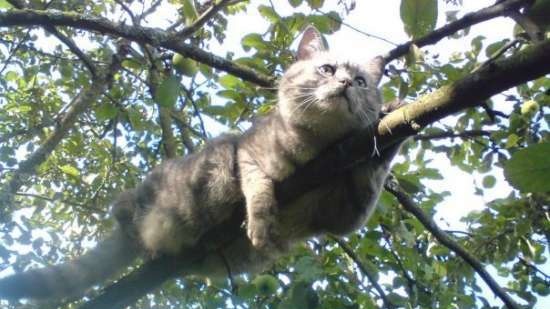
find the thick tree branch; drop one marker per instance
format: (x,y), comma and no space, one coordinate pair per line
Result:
(409,205)
(473,89)
(501,8)
(138,34)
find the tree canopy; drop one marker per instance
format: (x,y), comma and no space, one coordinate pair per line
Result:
(93,94)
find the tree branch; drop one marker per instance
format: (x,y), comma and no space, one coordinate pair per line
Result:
(138,34)
(349,251)
(64,39)
(79,104)
(501,8)
(175,43)
(526,65)
(209,13)
(450,134)
(409,205)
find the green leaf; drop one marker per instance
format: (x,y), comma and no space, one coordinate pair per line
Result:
(106,111)
(167,92)
(11,76)
(512,140)
(529,169)
(230,81)
(315,4)
(268,13)
(132,64)
(493,48)
(489,181)
(70,170)
(189,11)
(295,3)
(136,119)
(4,4)
(327,23)
(418,16)
(302,296)
(253,40)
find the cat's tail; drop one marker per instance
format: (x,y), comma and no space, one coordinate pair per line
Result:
(73,277)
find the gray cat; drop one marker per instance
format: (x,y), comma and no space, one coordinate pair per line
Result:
(320,100)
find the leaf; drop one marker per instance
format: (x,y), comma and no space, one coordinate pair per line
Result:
(489,181)
(302,296)
(512,140)
(528,170)
(295,3)
(106,111)
(167,92)
(11,76)
(70,170)
(418,16)
(253,40)
(189,11)
(269,14)
(327,23)
(131,64)
(5,5)
(230,81)
(315,4)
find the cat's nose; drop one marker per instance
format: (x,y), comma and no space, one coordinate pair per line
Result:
(346,82)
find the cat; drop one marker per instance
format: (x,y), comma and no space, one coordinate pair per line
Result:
(320,100)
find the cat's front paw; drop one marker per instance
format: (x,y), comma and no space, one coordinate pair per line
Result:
(264,236)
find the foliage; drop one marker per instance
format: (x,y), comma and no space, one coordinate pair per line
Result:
(62,207)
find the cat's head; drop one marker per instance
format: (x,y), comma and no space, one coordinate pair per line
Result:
(320,89)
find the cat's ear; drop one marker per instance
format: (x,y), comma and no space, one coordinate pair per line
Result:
(376,68)
(312,42)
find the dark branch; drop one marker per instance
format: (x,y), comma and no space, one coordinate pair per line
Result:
(64,39)
(209,13)
(450,134)
(409,205)
(138,34)
(349,251)
(501,8)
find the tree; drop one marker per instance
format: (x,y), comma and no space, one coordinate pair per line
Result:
(92,112)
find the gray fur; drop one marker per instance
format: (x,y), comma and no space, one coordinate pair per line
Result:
(183,198)
(320,101)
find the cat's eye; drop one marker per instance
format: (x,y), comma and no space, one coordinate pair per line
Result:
(361,82)
(327,69)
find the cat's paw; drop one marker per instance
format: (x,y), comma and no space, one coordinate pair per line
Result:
(264,236)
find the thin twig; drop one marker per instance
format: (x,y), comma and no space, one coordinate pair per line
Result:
(201,20)
(364,270)
(496,55)
(533,267)
(64,39)
(357,29)
(196,112)
(451,134)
